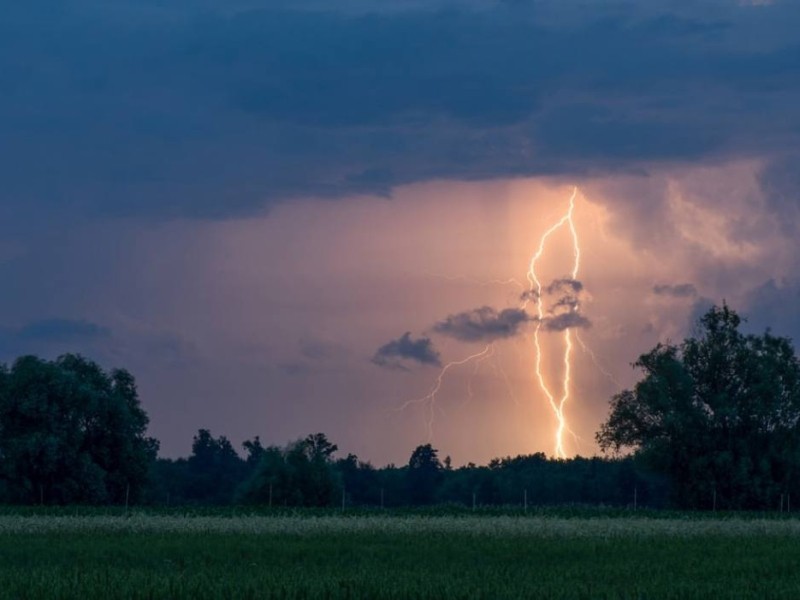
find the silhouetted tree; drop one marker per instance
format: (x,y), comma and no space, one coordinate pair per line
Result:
(301,475)
(719,412)
(270,482)
(360,480)
(318,448)
(424,474)
(255,451)
(71,433)
(214,470)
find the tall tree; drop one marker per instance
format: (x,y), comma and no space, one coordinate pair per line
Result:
(214,469)
(302,474)
(719,414)
(424,474)
(71,433)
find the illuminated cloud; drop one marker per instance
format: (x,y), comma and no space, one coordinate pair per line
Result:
(405,348)
(484,324)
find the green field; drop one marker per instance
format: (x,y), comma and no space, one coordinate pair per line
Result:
(397,556)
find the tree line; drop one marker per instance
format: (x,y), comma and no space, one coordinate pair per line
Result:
(309,473)
(714,422)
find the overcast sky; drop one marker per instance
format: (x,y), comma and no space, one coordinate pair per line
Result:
(249,203)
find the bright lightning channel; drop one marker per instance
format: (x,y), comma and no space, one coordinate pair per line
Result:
(535,289)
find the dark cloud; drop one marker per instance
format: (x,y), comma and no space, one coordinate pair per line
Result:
(567,320)
(215,108)
(568,303)
(483,324)
(569,291)
(680,290)
(566,284)
(405,348)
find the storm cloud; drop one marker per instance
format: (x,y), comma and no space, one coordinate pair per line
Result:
(406,348)
(167,169)
(484,324)
(221,108)
(565,285)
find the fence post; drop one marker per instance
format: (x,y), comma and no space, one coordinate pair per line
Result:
(270,495)
(525,500)
(714,500)
(474,501)
(635,497)
(381,497)
(344,497)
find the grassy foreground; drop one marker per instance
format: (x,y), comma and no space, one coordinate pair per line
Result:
(161,556)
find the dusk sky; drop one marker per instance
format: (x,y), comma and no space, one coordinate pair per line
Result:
(249,203)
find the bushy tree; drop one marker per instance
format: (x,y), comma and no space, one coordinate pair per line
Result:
(719,414)
(360,480)
(71,433)
(302,474)
(424,474)
(214,470)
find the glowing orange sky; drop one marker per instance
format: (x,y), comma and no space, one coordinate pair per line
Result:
(350,275)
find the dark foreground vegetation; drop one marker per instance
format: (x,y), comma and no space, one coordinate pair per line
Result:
(713,424)
(392,557)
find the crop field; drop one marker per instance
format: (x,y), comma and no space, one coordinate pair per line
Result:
(171,555)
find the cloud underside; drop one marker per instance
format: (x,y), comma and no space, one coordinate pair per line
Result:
(483,324)
(222,109)
(567,320)
(398,352)
(486,324)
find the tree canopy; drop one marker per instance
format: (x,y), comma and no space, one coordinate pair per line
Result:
(719,414)
(424,474)
(302,474)
(71,433)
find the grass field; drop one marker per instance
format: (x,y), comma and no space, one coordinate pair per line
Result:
(397,556)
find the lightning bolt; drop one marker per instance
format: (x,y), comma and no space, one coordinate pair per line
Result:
(535,291)
(429,399)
